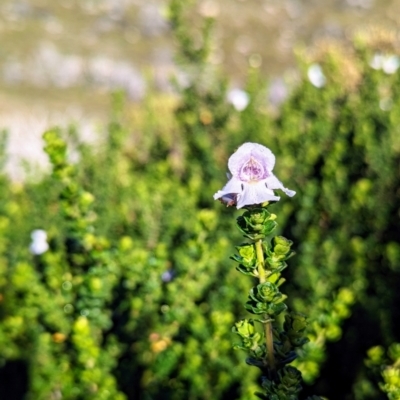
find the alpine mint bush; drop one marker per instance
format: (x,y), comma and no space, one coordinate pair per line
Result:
(115,278)
(270,342)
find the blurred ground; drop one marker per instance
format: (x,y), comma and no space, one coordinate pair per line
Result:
(59,60)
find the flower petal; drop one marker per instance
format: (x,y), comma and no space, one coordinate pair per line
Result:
(274,183)
(255,193)
(251,181)
(247,150)
(233,186)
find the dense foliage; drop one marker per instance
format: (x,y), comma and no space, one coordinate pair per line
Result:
(136,295)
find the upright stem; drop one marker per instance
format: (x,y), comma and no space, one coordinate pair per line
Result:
(269,338)
(260,261)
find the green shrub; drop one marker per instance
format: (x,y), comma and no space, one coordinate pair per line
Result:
(136,295)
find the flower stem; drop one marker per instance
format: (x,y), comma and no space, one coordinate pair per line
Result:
(269,339)
(260,261)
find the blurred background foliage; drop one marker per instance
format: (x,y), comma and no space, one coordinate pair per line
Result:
(130,293)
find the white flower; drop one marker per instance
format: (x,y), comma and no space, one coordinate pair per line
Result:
(316,75)
(251,181)
(167,275)
(388,63)
(376,61)
(391,64)
(239,99)
(39,243)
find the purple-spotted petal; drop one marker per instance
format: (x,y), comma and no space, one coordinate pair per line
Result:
(251,161)
(251,181)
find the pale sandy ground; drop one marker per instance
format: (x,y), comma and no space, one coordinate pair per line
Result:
(25,143)
(108,44)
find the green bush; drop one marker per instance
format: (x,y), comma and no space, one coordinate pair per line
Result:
(341,142)
(136,295)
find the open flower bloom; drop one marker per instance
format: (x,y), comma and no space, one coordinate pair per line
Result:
(251,181)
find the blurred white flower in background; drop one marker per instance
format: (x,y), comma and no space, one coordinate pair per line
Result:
(316,75)
(238,98)
(39,243)
(387,63)
(278,91)
(167,275)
